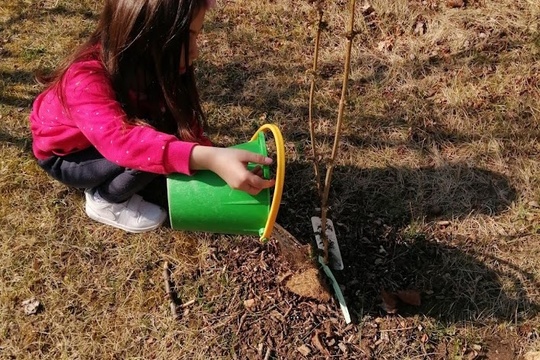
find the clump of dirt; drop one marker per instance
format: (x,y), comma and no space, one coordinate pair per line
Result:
(306,280)
(297,255)
(309,283)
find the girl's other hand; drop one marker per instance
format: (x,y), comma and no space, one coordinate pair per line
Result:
(231,166)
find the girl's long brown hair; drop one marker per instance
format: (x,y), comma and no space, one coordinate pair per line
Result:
(140,43)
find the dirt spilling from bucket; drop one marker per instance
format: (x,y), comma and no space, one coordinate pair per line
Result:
(305,279)
(309,283)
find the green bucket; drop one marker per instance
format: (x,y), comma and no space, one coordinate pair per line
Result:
(204,201)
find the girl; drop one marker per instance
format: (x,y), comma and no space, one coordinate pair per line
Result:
(123,111)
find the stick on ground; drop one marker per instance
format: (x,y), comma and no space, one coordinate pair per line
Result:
(168,288)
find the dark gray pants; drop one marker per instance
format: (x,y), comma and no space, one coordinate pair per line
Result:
(88,169)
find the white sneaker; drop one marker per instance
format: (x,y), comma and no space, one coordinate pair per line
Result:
(134,215)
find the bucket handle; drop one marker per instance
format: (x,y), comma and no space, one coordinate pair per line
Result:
(280,179)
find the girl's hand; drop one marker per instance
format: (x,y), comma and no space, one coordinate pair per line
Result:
(231,166)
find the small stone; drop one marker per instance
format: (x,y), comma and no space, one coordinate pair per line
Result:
(304,350)
(249,303)
(31,306)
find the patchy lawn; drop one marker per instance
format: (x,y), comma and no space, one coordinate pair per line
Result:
(436,192)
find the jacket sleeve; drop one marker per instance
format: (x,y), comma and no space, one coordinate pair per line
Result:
(91,103)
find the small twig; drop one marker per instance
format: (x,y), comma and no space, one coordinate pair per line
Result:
(241,323)
(168,289)
(398,329)
(219,325)
(268,353)
(187,303)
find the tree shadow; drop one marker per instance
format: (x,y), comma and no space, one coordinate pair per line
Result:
(375,209)
(31,12)
(249,82)
(14,78)
(23,143)
(374,212)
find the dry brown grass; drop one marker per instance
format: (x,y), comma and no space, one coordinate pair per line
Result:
(436,189)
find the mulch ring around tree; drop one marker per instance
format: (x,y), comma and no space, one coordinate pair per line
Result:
(263,318)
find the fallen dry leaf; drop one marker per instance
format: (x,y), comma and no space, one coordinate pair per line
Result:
(316,341)
(455,3)
(420,28)
(367,9)
(471,355)
(409,297)
(390,302)
(385,45)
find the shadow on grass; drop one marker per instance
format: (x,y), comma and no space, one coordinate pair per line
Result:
(31,12)
(11,79)
(375,210)
(250,87)
(26,13)
(23,143)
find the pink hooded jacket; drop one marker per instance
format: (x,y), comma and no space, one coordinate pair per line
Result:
(90,115)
